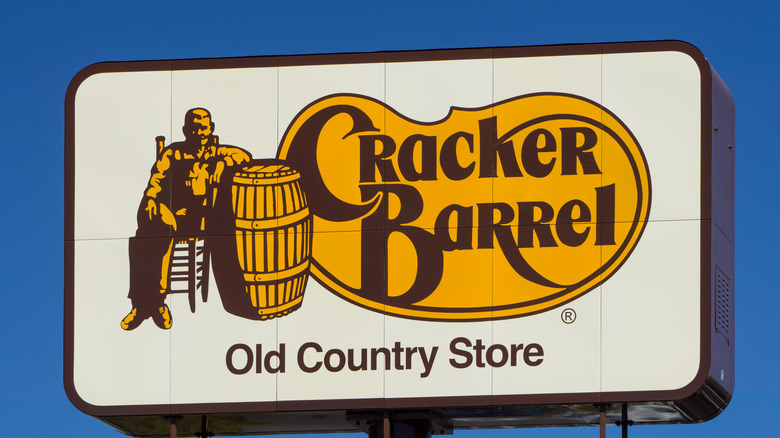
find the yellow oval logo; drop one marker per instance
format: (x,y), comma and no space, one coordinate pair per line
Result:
(491,213)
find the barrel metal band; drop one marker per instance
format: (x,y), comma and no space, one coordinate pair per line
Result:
(266,181)
(269,224)
(268,277)
(280,308)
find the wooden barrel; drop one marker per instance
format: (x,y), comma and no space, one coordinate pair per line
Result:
(273,236)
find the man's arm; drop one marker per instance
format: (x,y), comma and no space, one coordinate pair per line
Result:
(152,195)
(229,156)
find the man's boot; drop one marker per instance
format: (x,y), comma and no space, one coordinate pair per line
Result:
(133,320)
(162,317)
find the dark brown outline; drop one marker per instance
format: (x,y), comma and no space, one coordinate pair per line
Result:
(679,396)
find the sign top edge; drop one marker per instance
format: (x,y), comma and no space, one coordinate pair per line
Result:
(447,54)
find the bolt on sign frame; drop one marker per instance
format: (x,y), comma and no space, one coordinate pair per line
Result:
(497,237)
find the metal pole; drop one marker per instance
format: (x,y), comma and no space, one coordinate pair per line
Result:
(399,428)
(624,420)
(603,421)
(173,427)
(204,427)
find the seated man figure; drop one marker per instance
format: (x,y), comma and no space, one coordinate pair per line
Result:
(177,202)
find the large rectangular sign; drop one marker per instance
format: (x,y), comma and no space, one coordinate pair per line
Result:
(473,232)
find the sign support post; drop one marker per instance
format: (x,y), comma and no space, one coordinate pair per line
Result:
(204,427)
(602,421)
(624,423)
(417,424)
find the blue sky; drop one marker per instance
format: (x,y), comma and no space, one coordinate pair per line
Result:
(44,44)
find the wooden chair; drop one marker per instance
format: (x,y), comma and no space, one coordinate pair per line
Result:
(188,269)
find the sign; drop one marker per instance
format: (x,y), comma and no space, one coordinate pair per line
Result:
(494,237)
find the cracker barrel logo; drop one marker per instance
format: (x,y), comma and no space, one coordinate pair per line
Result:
(490,213)
(497,212)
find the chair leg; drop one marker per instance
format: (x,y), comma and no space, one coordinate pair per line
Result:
(204,277)
(193,272)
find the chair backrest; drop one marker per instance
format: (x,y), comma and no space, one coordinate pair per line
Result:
(160,145)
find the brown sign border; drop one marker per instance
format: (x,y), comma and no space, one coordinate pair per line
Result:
(681,394)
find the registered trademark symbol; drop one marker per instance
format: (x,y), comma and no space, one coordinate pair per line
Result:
(568,316)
